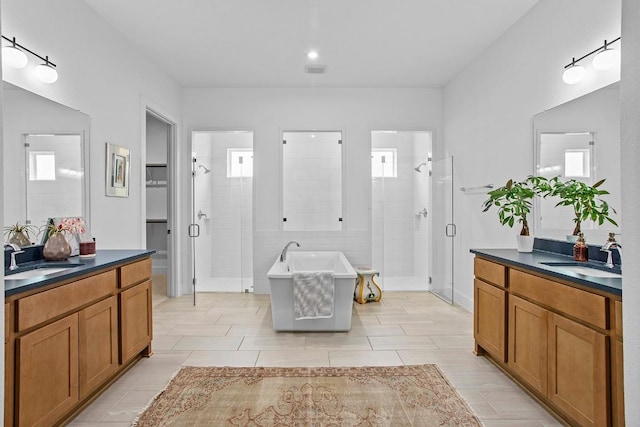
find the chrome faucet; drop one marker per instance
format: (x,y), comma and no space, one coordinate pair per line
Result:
(16,250)
(608,248)
(283,254)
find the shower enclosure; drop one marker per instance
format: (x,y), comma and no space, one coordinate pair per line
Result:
(222,195)
(401,208)
(444,230)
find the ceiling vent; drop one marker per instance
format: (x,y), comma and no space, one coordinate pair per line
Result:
(315,69)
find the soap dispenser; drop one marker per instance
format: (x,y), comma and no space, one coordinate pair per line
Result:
(580,249)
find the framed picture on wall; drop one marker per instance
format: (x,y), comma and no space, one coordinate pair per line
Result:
(117,168)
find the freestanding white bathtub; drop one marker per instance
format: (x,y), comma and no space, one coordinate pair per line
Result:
(281,286)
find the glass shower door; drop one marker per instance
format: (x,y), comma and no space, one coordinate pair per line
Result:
(222,195)
(444,230)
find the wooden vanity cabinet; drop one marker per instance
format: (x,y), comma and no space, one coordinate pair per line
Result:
(559,345)
(490,309)
(617,366)
(578,371)
(64,342)
(135,308)
(528,355)
(98,338)
(47,372)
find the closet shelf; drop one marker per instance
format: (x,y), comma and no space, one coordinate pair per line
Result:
(156,221)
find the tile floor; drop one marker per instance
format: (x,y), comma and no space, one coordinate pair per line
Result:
(235,330)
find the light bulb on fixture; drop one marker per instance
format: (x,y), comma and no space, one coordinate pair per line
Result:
(606,59)
(45,72)
(574,73)
(14,57)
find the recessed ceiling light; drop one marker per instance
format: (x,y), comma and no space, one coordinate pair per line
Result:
(312,54)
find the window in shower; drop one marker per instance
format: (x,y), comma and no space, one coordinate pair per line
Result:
(239,163)
(383,162)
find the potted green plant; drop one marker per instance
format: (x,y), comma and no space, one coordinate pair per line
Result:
(20,234)
(584,199)
(514,202)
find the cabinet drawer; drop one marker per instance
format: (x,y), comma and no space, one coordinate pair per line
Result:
(39,308)
(582,305)
(136,272)
(490,272)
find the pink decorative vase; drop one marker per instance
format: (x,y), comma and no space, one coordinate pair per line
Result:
(56,248)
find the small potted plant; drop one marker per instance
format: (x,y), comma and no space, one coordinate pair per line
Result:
(514,201)
(585,200)
(20,234)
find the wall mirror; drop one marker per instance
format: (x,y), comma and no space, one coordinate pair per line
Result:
(46,159)
(579,140)
(312,180)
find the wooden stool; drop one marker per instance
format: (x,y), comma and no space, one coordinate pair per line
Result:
(364,291)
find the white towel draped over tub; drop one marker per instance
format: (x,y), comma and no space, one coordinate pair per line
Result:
(313,294)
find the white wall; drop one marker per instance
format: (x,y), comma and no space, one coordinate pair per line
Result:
(101,74)
(630,150)
(488,110)
(270,111)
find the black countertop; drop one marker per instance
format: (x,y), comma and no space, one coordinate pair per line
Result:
(77,267)
(533,261)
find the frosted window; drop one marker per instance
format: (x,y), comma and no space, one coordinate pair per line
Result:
(42,166)
(312,181)
(239,163)
(576,163)
(384,163)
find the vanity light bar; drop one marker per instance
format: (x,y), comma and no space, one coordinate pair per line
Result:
(46,72)
(574,72)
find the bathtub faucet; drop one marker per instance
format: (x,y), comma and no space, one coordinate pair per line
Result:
(283,254)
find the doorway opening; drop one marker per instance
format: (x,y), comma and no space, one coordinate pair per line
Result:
(159,141)
(222,211)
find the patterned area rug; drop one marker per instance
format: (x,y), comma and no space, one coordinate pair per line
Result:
(370,396)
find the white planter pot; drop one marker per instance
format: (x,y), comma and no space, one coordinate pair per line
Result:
(525,243)
(571,238)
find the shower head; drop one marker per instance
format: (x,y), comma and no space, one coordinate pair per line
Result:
(417,168)
(206,170)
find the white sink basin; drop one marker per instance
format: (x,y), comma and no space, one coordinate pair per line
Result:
(584,270)
(593,272)
(35,273)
